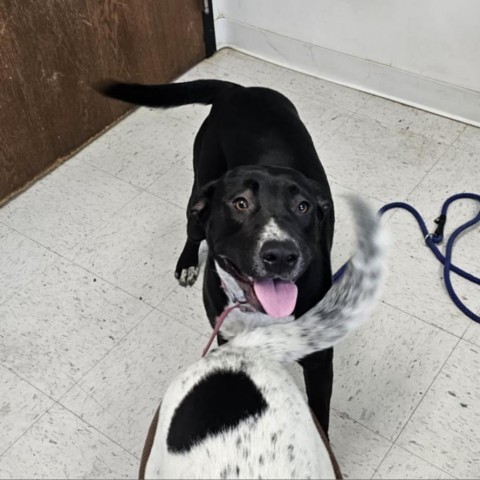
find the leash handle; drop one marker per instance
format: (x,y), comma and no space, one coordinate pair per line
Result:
(432,239)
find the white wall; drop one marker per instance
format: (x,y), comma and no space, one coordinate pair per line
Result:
(422,52)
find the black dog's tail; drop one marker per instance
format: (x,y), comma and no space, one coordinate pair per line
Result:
(165,96)
(344,307)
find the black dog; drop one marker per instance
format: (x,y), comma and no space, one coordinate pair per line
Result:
(262,201)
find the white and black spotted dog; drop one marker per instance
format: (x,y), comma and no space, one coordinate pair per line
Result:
(237,413)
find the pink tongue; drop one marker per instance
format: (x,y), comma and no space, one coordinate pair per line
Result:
(278,298)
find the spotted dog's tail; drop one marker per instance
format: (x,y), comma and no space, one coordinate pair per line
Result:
(344,307)
(167,95)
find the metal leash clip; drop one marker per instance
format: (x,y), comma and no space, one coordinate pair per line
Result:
(437,235)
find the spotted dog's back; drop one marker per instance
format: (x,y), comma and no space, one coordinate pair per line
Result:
(237,413)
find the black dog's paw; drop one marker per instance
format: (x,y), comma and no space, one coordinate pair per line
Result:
(187,276)
(186,271)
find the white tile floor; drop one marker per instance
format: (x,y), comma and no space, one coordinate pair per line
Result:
(93,325)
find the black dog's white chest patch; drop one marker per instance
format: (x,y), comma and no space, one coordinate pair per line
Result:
(217,403)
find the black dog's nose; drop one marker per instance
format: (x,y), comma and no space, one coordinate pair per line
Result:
(279,256)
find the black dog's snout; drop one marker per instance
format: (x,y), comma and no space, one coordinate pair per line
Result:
(279,256)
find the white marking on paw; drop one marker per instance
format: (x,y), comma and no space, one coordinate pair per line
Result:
(183,277)
(192,275)
(188,276)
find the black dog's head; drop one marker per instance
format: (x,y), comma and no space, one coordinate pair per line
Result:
(263,228)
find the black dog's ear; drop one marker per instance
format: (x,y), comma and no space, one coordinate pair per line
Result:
(324,199)
(323,207)
(200,203)
(199,208)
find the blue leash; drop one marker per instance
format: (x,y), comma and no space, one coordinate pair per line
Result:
(432,239)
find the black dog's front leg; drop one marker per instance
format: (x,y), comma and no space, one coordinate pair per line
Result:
(318,374)
(186,271)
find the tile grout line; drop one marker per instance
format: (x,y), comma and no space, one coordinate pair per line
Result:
(114,347)
(152,308)
(394,442)
(347,187)
(73,262)
(96,275)
(54,404)
(58,400)
(169,315)
(32,277)
(27,430)
(391,443)
(165,200)
(123,338)
(344,415)
(439,159)
(382,460)
(410,453)
(459,135)
(84,163)
(98,430)
(470,342)
(364,104)
(106,354)
(335,130)
(117,211)
(99,227)
(464,333)
(141,190)
(424,321)
(425,393)
(426,461)
(131,184)
(26,380)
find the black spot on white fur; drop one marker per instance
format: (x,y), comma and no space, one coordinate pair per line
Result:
(224,398)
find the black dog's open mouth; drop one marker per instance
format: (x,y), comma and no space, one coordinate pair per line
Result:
(273,296)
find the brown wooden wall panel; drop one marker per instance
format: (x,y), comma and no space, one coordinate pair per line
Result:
(52,51)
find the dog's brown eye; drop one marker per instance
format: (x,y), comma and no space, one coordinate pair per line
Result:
(240,203)
(303,207)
